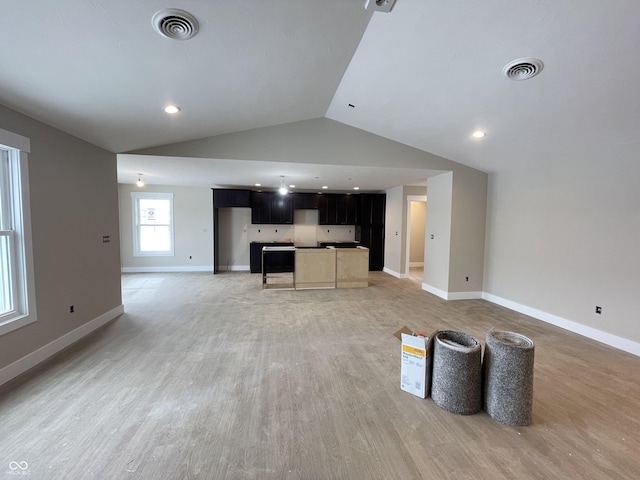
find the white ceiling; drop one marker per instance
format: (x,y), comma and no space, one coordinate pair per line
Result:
(200,172)
(426,75)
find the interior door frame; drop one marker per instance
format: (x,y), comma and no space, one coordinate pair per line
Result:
(411,198)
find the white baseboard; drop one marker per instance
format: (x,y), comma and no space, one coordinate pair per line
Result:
(436,291)
(395,274)
(235,268)
(34,358)
(204,268)
(465,295)
(452,295)
(416,264)
(575,327)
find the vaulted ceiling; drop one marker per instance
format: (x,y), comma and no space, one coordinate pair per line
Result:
(427,74)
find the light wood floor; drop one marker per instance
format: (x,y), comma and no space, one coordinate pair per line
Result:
(212,377)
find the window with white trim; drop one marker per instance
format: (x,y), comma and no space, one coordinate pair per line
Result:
(152,223)
(17,292)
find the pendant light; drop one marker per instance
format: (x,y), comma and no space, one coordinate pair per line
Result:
(283,190)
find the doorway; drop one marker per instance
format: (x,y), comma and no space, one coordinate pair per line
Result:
(416,228)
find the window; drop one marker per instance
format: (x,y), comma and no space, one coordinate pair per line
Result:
(17,296)
(152,223)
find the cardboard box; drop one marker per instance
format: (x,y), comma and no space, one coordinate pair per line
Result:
(415,366)
(404,329)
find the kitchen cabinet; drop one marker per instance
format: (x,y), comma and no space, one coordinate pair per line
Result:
(315,268)
(352,267)
(347,210)
(305,201)
(370,227)
(255,256)
(339,244)
(334,209)
(278,263)
(372,237)
(228,198)
(271,208)
(371,209)
(327,209)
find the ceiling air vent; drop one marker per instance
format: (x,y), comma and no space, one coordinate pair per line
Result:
(523,68)
(175,24)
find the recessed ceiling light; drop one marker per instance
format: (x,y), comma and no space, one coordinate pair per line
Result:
(324,187)
(478,134)
(292,186)
(171,109)
(356,188)
(258,184)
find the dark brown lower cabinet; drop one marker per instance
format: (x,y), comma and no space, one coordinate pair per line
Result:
(255,255)
(372,237)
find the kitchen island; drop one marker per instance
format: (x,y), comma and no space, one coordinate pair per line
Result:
(315,267)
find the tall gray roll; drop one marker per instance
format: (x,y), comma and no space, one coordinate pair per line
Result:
(456,383)
(508,377)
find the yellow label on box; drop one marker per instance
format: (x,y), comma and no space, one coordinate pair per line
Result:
(413,350)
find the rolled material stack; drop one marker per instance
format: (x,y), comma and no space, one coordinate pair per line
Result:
(457,372)
(508,377)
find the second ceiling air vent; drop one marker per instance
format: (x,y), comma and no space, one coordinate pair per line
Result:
(523,68)
(175,24)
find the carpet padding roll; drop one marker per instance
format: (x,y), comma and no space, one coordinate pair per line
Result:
(508,377)
(457,372)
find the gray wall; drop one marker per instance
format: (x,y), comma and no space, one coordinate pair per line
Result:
(193,229)
(74,202)
(468,223)
(319,140)
(438,235)
(394,239)
(564,236)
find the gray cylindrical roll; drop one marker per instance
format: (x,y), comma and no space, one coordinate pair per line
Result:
(508,377)
(456,383)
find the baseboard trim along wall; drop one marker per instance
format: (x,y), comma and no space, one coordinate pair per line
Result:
(575,327)
(204,268)
(31,360)
(395,274)
(235,268)
(451,295)
(435,291)
(465,295)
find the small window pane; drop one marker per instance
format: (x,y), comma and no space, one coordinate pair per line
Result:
(6,272)
(155,211)
(155,238)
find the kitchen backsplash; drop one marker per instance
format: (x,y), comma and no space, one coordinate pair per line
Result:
(304,231)
(301,234)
